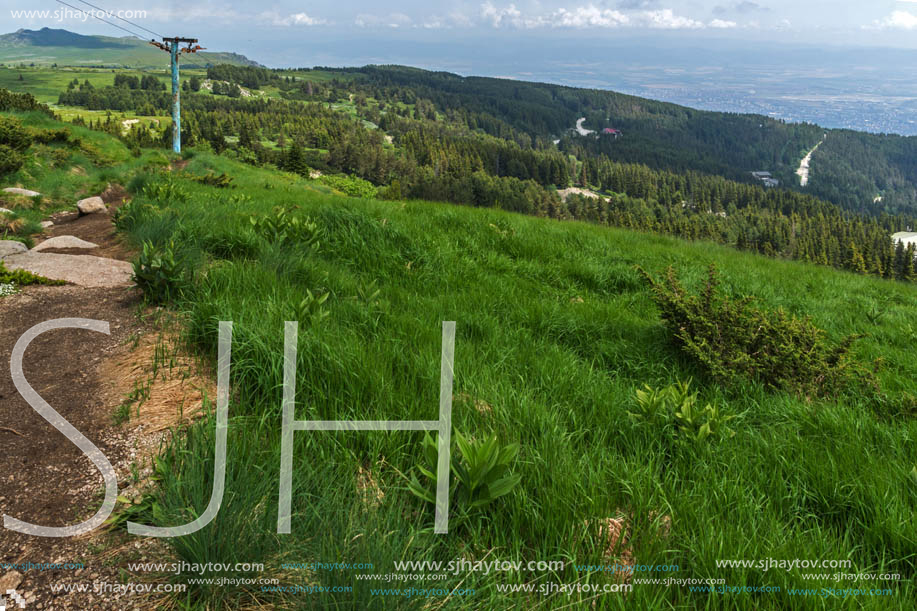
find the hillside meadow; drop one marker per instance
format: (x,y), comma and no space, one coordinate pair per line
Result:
(555,332)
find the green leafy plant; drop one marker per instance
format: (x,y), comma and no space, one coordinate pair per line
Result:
(733,340)
(481,473)
(369,293)
(165,191)
(674,409)
(283,226)
(220,181)
(653,405)
(159,272)
(310,309)
(144,509)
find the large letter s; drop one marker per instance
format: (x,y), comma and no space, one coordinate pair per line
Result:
(60,423)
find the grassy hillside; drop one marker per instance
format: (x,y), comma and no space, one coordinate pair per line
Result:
(555,333)
(49,46)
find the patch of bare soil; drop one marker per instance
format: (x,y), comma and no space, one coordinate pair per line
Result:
(88,377)
(95,228)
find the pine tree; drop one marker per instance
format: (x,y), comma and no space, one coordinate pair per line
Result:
(295,160)
(898,265)
(856,263)
(907,270)
(246,138)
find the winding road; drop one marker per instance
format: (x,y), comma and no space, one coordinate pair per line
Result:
(582,131)
(803,171)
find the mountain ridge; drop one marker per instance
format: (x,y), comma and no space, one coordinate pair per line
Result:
(59,46)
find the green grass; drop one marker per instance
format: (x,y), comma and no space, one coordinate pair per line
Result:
(66,173)
(555,332)
(46,83)
(800,479)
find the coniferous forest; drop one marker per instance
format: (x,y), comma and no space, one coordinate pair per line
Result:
(510,145)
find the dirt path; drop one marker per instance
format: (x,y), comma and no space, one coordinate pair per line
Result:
(45,478)
(803,171)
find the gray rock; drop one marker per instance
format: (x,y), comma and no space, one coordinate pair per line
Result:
(6,211)
(11,247)
(46,224)
(91,205)
(82,270)
(64,241)
(18,191)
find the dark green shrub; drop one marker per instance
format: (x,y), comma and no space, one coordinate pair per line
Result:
(14,135)
(14,141)
(22,101)
(391,192)
(10,160)
(349,185)
(49,136)
(160,273)
(733,340)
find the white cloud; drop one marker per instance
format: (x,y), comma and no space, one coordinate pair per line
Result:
(392,20)
(453,19)
(667,20)
(509,16)
(722,24)
(589,16)
(296,19)
(898,20)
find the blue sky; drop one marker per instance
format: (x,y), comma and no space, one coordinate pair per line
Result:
(883,21)
(270,28)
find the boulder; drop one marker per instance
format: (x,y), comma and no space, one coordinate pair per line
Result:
(82,270)
(11,247)
(91,205)
(18,191)
(46,224)
(10,581)
(64,241)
